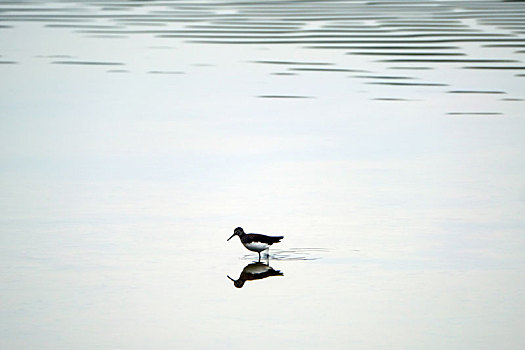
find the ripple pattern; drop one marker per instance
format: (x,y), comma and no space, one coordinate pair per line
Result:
(402,35)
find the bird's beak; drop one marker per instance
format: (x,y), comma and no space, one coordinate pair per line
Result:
(230,237)
(230,278)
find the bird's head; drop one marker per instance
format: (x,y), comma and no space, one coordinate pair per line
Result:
(237,232)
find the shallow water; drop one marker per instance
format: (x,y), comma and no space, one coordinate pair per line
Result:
(384,140)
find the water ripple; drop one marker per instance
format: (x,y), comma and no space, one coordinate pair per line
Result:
(416,36)
(294,254)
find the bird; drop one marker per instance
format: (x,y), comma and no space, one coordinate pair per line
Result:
(254,241)
(255,271)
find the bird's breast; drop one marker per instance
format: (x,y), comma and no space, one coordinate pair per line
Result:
(256,246)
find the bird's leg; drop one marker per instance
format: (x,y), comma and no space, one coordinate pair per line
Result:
(259,256)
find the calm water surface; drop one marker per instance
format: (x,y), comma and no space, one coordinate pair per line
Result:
(383,139)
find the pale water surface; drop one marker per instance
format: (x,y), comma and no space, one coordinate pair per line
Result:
(383,139)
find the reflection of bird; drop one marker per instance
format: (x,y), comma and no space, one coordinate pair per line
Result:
(254,241)
(255,271)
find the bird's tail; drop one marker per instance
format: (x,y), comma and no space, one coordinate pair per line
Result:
(277,239)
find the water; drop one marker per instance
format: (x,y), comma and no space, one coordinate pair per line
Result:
(384,140)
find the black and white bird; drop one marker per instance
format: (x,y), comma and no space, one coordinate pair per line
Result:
(254,241)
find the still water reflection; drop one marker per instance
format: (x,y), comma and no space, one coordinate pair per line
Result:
(135,134)
(255,271)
